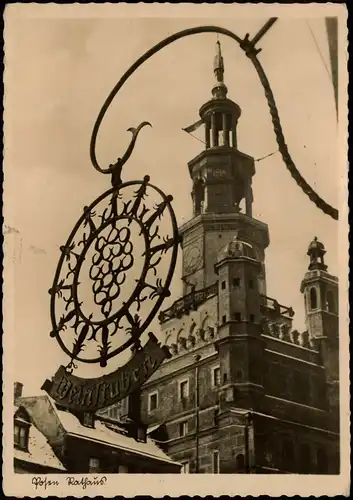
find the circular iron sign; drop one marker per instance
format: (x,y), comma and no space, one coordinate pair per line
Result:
(114,272)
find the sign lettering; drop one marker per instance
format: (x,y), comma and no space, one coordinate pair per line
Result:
(93,394)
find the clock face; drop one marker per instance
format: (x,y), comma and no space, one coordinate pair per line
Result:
(192,259)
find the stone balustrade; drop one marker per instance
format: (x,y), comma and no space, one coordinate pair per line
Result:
(283,331)
(195,340)
(189,302)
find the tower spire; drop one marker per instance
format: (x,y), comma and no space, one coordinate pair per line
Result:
(218,65)
(219,90)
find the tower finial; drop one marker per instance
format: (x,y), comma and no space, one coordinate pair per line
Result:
(219,90)
(218,65)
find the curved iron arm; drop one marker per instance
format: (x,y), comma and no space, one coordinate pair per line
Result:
(116,168)
(283,148)
(248,46)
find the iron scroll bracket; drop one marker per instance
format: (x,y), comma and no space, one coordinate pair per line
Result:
(250,50)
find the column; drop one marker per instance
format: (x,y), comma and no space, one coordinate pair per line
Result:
(234,132)
(193,196)
(248,200)
(248,205)
(205,200)
(225,130)
(234,137)
(214,130)
(207,134)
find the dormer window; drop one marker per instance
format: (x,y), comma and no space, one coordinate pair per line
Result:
(21,435)
(22,425)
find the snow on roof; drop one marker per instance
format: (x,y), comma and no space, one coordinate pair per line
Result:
(102,434)
(39,451)
(153,427)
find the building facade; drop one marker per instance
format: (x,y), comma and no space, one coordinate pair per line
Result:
(50,439)
(243,391)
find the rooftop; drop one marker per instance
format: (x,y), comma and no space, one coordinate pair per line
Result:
(112,435)
(39,450)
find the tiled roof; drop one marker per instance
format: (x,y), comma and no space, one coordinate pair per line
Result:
(102,434)
(39,451)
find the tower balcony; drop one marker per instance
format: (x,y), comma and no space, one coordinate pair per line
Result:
(272,309)
(189,302)
(276,323)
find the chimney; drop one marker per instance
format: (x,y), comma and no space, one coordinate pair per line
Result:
(17,390)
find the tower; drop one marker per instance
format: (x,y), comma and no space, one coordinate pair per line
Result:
(242,391)
(320,291)
(222,193)
(240,345)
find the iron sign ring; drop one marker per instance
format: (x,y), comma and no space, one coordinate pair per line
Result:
(102,243)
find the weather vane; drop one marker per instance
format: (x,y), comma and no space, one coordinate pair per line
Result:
(117,264)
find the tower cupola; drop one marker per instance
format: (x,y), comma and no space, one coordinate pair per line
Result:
(222,197)
(320,290)
(316,252)
(220,115)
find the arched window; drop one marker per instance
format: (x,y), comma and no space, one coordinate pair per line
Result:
(313,298)
(288,456)
(192,328)
(208,328)
(321,461)
(305,459)
(240,463)
(198,197)
(330,302)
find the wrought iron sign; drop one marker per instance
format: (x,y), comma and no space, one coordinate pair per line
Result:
(117,264)
(89,395)
(101,250)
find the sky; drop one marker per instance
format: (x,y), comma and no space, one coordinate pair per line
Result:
(60,69)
